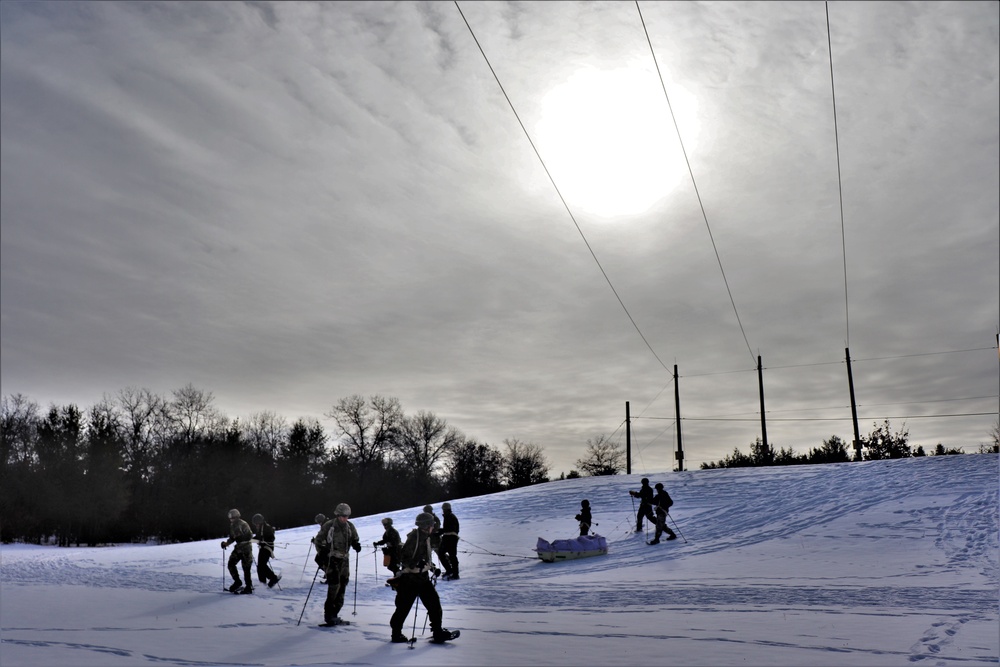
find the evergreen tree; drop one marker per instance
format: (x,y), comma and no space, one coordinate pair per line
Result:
(882,443)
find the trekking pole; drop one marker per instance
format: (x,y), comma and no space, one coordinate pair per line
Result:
(223,568)
(416,612)
(357,557)
(427,612)
(635,515)
(677,527)
(307,595)
(375,557)
(308,551)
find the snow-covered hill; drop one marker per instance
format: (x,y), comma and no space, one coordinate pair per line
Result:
(876,563)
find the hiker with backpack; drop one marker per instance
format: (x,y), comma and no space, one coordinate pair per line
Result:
(448,552)
(662,503)
(415,582)
(264,534)
(341,537)
(391,545)
(322,546)
(645,496)
(240,533)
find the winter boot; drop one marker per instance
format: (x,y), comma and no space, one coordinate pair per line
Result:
(671,536)
(398,638)
(276,580)
(655,540)
(237,585)
(246,590)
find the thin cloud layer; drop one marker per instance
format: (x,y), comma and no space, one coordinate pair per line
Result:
(286,204)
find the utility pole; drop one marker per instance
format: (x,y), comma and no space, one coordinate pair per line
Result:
(854,407)
(763,420)
(628,441)
(679,454)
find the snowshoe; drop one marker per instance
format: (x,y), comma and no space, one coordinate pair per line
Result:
(276,580)
(246,590)
(655,541)
(235,588)
(334,623)
(441,636)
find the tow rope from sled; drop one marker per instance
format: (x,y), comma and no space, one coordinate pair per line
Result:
(483,550)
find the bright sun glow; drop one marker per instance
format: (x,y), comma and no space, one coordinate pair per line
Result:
(609,142)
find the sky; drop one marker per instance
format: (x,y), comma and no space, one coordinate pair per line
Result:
(511,215)
(857,564)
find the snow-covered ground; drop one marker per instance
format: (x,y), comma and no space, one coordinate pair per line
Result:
(876,563)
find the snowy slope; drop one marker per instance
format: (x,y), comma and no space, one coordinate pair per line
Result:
(876,563)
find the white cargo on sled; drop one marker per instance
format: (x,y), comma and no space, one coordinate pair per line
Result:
(578,547)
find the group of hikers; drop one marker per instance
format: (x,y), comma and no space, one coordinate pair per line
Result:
(241,534)
(648,502)
(411,562)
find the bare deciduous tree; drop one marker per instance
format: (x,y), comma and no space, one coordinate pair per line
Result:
(604,457)
(19,420)
(424,440)
(366,427)
(524,464)
(194,414)
(146,422)
(265,432)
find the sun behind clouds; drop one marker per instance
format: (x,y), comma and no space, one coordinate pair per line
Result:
(609,142)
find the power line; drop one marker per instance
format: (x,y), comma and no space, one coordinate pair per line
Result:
(833,363)
(694,184)
(558,192)
(840,181)
(830,419)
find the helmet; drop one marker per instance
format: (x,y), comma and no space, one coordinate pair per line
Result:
(387,521)
(258,518)
(645,480)
(659,485)
(320,519)
(424,520)
(585,503)
(428,509)
(446,507)
(234,514)
(343,509)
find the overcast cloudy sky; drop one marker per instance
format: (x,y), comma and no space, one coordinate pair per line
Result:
(289,203)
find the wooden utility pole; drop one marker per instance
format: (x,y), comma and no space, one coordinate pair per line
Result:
(763,420)
(854,407)
(679,454)
(628,441)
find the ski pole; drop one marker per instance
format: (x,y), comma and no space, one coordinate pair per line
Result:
(357,557)
(375,557)
(635,514)
(308,551)
(677,527)
(223,568)
(307,595)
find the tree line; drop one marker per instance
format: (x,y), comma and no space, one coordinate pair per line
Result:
(139,466)
(881,443)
